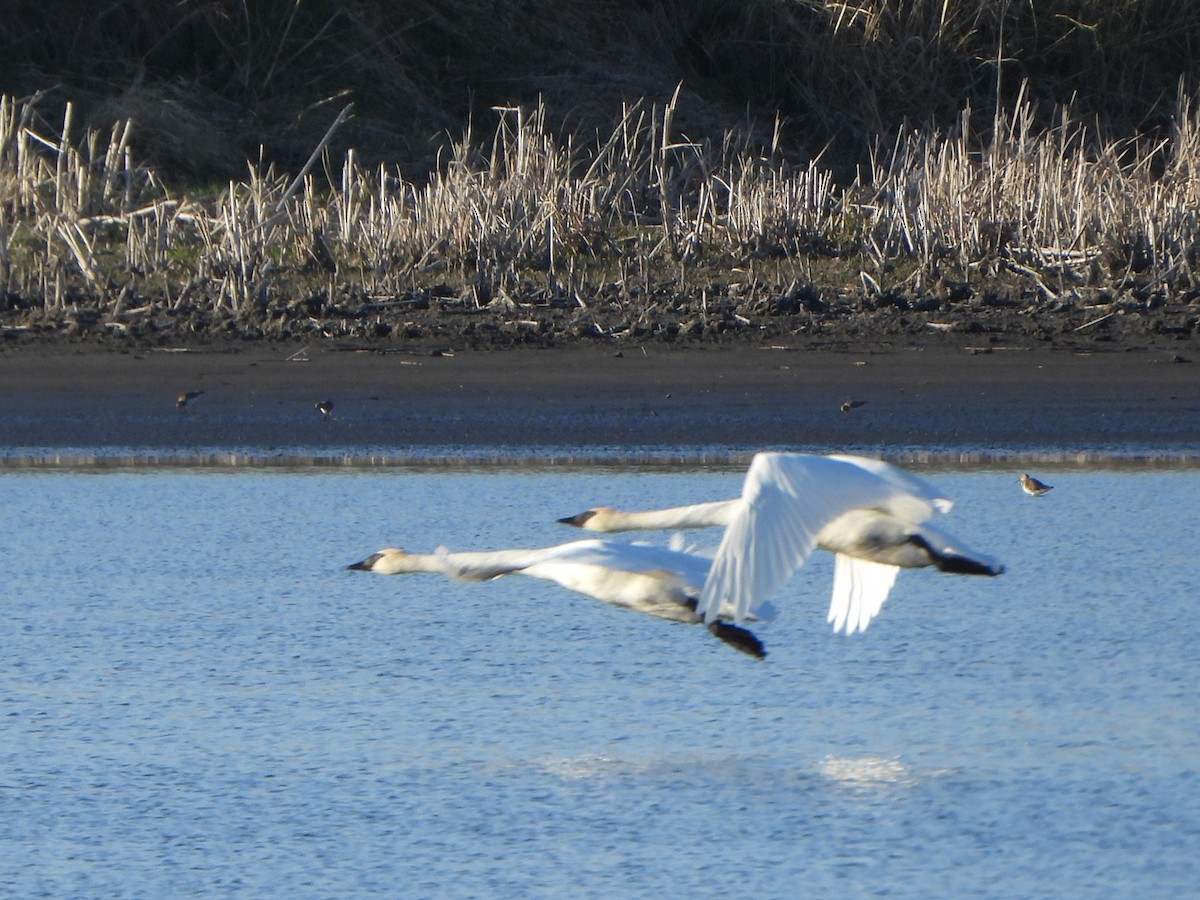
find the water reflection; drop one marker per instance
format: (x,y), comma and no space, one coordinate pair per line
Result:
(865,771)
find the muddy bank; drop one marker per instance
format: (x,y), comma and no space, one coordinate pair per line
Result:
(941,393)
(723,315)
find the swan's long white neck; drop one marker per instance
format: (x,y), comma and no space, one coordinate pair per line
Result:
(465,566)
(698,515)
(399,562)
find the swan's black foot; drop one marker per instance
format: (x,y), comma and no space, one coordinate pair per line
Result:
(955,565)
(738,638)
(962,565)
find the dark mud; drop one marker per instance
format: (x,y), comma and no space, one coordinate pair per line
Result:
(944,395)
(720,316)
(437,373)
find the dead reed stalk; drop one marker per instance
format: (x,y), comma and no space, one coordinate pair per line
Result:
(1058,210)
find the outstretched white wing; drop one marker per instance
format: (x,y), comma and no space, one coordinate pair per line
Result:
(618,556)
(569,564)
(486,565)
(860,588)
(473,565)
(917,499)
(787,498)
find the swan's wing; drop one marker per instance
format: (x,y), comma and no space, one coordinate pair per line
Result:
(647,579)
(690,568)
(860,588)
(486,565)
(616,556)
(918,499)
(786,499)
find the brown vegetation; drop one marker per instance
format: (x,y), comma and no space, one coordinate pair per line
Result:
(210,82)
(999,213)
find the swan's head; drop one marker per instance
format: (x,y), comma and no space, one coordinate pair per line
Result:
(596,519)
(391,561)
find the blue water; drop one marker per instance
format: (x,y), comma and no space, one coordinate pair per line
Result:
(199,699)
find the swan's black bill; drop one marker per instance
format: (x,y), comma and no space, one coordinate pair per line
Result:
(578,521)
(738,638)
(365,565)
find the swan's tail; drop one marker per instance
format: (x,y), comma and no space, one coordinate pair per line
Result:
(739,638)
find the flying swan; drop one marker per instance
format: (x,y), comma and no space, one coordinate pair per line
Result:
(872,515)
(654,580)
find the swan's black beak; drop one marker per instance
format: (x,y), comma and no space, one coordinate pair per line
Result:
(365,565)
(578,521)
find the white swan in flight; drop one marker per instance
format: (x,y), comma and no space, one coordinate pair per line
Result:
(871,514)
(654,580)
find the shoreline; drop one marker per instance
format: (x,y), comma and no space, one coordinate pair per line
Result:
(937,397)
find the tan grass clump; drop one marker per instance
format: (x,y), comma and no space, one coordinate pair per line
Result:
(525,218)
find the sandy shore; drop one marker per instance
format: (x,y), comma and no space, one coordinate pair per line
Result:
(934,396)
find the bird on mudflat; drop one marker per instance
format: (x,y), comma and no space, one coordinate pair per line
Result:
(186,397)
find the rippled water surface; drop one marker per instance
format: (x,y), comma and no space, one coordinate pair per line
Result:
(200,699)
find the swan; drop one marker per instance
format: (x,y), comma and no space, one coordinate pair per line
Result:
(871,514)
(658,581)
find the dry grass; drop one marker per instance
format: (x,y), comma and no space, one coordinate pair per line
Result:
(604,233)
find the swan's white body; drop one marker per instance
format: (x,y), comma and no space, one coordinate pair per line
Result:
(657,581)
(869,513)
(653,580)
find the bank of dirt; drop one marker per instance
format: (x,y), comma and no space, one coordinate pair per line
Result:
(943,392)
(722,316)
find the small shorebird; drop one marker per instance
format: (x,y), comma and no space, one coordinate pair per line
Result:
(324,407)
(1033,486)
(186,397)
(852,404)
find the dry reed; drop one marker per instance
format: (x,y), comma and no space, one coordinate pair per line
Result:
(603,233)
